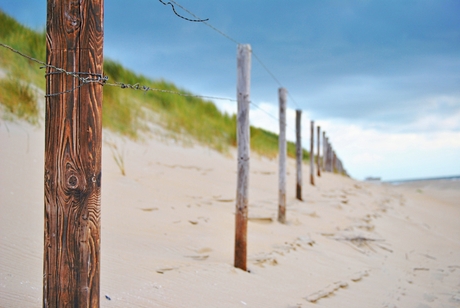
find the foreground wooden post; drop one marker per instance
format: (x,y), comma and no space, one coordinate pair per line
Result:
(312,152)
(282,157)
(241,216)
(298,129)
(73,143)
(318,159)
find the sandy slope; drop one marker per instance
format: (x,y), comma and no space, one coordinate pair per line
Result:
(168,229)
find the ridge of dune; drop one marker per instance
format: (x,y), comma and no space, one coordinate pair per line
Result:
(168,232)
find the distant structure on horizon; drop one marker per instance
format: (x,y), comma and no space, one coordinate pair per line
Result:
(373,179)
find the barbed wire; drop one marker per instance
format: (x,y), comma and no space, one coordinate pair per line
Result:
(206,23)
(103,80)
(178,15)
(144,88)
(264,66)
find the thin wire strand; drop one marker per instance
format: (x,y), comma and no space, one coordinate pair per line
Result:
(178,15)
(103,80)
(140,87)
(271,116)
(206,23)
(265,67)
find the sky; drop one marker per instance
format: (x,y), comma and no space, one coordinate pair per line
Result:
(382,78)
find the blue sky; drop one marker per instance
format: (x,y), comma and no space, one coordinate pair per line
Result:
(381,77)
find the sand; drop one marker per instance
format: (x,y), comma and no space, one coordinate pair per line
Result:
(168,232)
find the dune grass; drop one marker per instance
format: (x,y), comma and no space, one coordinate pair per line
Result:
(125,111)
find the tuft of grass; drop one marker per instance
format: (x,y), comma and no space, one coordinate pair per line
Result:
(19,100)
(118,156)
(30,42)
(125,112)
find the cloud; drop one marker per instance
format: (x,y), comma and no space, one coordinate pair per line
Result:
(370,152)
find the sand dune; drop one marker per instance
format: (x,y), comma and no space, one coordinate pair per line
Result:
(168,232)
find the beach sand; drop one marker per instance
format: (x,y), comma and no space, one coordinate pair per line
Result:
(168,232)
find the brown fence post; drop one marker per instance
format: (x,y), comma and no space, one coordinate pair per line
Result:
(324,151)
(312,152)
(334,162)
(243,92)
(318,157)
(329,156)
(73,143)
(298,129)
(282,157)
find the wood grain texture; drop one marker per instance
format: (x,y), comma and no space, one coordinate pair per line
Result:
(282,148)
(243,98)
(298,130)
(73,143)
(312,152)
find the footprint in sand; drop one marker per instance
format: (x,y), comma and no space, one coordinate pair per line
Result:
(334,287)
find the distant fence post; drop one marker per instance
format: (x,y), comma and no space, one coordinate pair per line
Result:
(241,215)
(298,128)
(324,151)
(331,156)
(282,157)
(312,152)
(334,162)
(73,143)
(318,157)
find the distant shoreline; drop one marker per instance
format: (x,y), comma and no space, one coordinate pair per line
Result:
(395,182)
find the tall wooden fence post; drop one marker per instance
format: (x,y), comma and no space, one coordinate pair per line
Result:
(241,216)
(282,157)
(298,129)
(318,157)
(73,143)
(312,152)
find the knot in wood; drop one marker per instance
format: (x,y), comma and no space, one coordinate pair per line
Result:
(72,181)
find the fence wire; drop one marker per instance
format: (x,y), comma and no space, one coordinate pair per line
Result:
(264,66)
(103,80)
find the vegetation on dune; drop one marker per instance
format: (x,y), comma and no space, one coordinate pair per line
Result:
(125,111)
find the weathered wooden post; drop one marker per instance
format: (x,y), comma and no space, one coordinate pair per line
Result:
(318,159)
(331,156)
(243,97)
(298,129)
(73,143)
(324,151)
(312,152)
(282,157)
(334,162)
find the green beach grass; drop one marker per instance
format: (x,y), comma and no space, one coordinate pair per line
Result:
(125,112)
